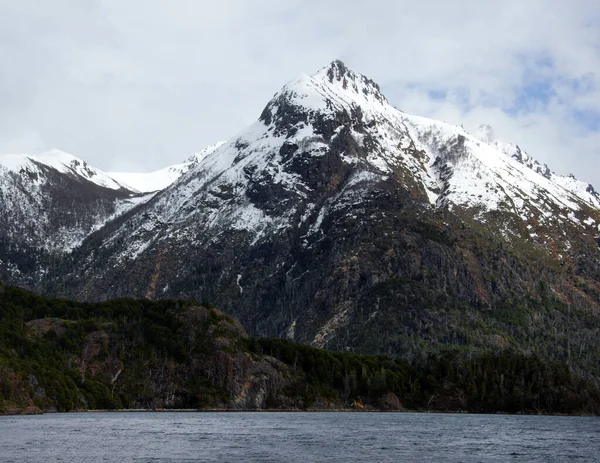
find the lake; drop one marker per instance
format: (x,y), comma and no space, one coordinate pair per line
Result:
(296,437)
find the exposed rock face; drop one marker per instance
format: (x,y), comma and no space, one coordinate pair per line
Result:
(340,221)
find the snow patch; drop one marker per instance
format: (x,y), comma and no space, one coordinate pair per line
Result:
(239,277)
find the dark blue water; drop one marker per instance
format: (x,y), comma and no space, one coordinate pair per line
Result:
(296,437)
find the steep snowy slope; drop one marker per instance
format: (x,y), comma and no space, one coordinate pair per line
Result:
(476,174)
(581,189)
(147,182)
(65,163)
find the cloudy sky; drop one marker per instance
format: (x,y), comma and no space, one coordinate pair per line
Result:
(141,84)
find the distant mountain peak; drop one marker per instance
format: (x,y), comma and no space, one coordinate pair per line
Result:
(59,161)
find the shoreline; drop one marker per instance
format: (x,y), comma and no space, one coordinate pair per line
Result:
(37,411)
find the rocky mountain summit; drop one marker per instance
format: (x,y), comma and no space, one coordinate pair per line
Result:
(341,221)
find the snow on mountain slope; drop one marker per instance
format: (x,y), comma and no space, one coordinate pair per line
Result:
(268,179)
(143,182)
(210,196)
(54,200)
(581,189)
(147,182)
(487,175)
(324,142)
(60,161)
(198,157)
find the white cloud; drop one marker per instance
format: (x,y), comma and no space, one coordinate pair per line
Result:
(144,83)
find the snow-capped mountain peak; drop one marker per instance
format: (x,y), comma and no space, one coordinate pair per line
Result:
(450,166)
(327,140)
(338,75)
(60,161)
(332,89)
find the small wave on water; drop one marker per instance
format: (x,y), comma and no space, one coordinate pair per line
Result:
(296,437)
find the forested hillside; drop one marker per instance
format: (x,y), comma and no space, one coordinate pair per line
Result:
(58,354)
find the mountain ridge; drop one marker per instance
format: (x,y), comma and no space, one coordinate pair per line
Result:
(62,162)
(340,221)
(149,182)
(136,182)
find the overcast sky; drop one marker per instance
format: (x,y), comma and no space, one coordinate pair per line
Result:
(138,85)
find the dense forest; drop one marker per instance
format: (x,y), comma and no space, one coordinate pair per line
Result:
(61,355)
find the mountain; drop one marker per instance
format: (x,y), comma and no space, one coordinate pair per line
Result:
(50,202)
(343,222)
(147,182)
(64,163)
(48,205)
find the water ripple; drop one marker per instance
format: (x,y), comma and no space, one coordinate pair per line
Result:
(296,437)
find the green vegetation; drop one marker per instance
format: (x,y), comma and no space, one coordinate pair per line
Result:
(125,353)
(492,382)
(410,319)
(61,354)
